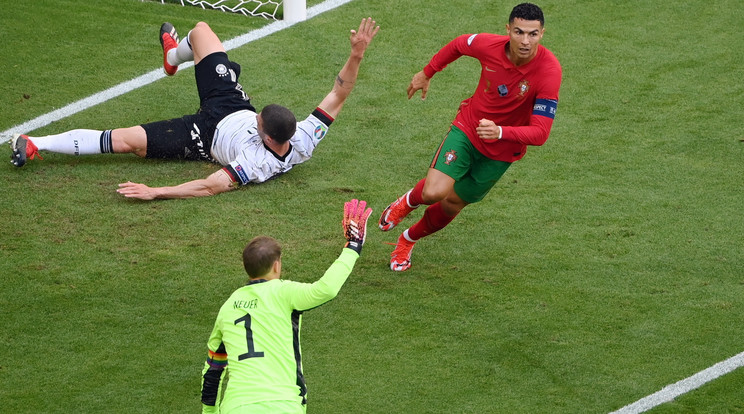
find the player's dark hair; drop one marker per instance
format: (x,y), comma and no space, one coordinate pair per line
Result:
(259,255)
(527,11)
(278,122)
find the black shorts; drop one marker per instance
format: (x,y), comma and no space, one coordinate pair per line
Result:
(190,137)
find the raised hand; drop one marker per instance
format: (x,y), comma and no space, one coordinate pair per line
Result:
(354,223)
(362,37)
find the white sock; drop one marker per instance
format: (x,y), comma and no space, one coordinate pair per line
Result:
(76,142)
(407,237)
(182,53)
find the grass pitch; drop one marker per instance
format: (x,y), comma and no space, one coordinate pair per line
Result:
(604,266)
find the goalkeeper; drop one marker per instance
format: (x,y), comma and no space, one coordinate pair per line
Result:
(251,146)
(254,349)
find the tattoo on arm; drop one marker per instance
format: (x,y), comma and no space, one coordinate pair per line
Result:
(342,83)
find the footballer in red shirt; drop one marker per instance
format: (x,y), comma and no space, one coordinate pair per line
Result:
(512,107)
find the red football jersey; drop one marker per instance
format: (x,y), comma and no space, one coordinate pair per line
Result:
(520,99)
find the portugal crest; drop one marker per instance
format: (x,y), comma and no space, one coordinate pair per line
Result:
(450,157)
(524,86)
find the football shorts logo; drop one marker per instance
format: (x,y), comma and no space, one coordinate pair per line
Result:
(221,69)
(450,157)
(198,143)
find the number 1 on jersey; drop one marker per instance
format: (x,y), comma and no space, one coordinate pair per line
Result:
(248,338)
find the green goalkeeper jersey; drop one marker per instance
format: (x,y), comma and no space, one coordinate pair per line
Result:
(256,339)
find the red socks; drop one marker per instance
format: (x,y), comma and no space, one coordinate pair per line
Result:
(434,219)
(415,197)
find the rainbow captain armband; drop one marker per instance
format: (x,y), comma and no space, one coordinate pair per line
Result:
(217,359)
(545,107)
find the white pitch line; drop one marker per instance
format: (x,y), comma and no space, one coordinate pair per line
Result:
(670,392)
(156,74)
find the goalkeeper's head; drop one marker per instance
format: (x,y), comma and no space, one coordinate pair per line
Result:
(277,122)
(262,258)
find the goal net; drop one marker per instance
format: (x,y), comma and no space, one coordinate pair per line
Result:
(289,10)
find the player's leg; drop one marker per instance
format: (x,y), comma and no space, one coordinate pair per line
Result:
(198,43)
(80,142)
(220,94)
(427,191)
(452,161)
(179,138)
(132,139)
(437,184)
(204,42)
(89,141)
(401,207)
(436,217)
(472,188)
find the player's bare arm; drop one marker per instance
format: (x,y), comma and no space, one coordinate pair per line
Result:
(218,182)
(420,82)
(346,78)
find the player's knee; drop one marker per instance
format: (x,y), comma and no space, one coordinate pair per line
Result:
(453,204)
(199,31)
(129,140)
(431,194)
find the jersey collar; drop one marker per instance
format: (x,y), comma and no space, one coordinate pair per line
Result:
(281,158)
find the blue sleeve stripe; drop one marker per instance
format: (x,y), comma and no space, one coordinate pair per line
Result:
(545,107)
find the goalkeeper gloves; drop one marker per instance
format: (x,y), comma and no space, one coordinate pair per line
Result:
(355,223)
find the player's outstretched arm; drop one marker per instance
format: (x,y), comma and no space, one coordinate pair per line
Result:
(218,182)
(354,225)
(360,40)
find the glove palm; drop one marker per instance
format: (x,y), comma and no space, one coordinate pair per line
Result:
(354,223)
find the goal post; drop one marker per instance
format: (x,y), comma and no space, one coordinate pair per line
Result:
(295,10)
(289,10)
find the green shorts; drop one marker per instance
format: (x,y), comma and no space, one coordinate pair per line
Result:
(474,173)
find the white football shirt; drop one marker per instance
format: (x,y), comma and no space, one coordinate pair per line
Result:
(238,147)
